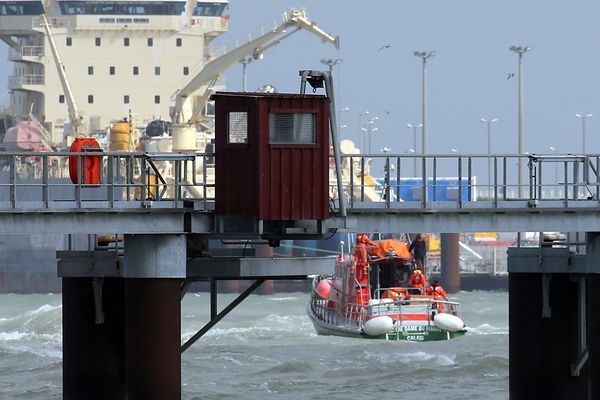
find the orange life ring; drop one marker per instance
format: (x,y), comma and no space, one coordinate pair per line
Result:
(91,170)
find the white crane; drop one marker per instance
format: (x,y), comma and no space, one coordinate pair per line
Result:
(74,117)
(186,113)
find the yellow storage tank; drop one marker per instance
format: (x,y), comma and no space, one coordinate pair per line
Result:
(121,136)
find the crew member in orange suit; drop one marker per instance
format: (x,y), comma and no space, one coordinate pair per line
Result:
(417,279)
(437,291)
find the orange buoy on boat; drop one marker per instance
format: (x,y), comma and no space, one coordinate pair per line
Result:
(91,165)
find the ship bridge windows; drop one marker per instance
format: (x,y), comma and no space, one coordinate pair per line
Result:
(69,7)
(121,8)
(21,8)
(209,9)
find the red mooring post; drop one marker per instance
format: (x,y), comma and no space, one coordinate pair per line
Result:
(450,262)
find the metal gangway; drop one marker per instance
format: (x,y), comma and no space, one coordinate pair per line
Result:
(461,192)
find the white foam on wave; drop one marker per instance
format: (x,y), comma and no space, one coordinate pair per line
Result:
(283,298)
(30,315)
(30,336)
(487,329)
(414,358)
(442,360)
(238,332)
(10,336)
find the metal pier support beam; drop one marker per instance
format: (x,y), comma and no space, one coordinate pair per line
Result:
(450,262)
(547,358)
(122,326)
(268,286)
(593,334)
(152,338)
(216,318)
(154,267)
(93,354)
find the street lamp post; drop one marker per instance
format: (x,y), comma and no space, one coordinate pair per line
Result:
(345,109)
(583,117)
(489,123)
(520,50)
(424,55)
(553,150)
(368,130)
(371,130)
(362,130)
(386,173)
(414,128)
(330,62)
(244,63)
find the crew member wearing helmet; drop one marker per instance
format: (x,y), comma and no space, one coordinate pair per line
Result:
(417,279)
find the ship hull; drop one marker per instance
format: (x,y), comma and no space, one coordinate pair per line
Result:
(404,333)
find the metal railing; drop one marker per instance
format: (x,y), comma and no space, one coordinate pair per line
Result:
(369,181)
(463,181)
(31,180)
(26,51)
(27,79)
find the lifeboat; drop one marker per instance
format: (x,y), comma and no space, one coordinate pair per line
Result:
(370,297)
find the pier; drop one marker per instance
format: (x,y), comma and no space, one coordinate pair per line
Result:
(121,296)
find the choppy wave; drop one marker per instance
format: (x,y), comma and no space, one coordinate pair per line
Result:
(37,332)
(487,329)
(268,346)
(46,318)
(283,298)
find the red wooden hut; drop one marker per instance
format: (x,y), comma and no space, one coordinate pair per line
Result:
(272,153)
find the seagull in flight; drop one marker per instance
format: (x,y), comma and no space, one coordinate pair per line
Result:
(387,46)
(510,75)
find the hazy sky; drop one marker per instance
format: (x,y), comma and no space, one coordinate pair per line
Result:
(467,77)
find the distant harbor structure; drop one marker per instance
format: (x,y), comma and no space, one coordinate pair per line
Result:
(118,56)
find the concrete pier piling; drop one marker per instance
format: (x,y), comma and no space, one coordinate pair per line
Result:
(93,353)
(152,339)
(129,347)
(450,262)
(121,322)
(544,337)
(554,326)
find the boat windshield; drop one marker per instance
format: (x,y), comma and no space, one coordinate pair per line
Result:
(21,8)
(139,8)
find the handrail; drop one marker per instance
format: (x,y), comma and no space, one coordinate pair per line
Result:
(461,181)
(27,180)
(40,180)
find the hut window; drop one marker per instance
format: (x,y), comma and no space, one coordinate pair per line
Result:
(292,128)
(237,127)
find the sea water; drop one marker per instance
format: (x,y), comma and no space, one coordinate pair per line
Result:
(267,348)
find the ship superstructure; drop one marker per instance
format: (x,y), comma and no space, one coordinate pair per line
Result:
(121,57)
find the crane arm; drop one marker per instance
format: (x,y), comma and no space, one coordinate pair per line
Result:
(74,116)
(295,19)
